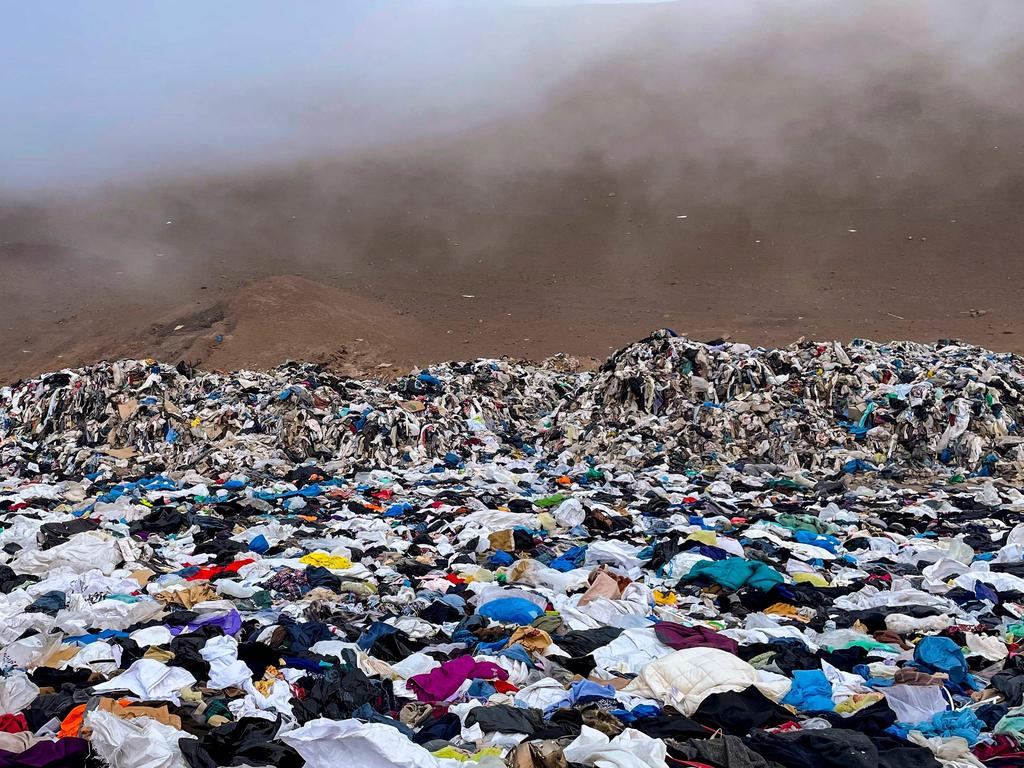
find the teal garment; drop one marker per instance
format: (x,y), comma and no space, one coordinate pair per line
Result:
(940,654)
(1012,723)
(963,723)
(808,523)
(735,572)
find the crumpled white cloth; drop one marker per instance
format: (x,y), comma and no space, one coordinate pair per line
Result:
(915,703)
(109,614)
(141,742)
(415,664)
(614,552)
(149,636)
(16,693)
(324,743)
(541,694)
(685,678)
(903,624)
(952,752)
(630,749)
(845,685)
(150,679)
(100,656)
(225,668)
(569,513)
(987,646)
(82,552)
(254,704)
(29,652)
(630,651)
(872,597)
(532,573)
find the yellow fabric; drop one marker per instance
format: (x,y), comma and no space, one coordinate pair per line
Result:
(453,754)
(781,609)
(858,702)
(786,610)
(814,579)
(532,639)
(324,560)
(703,537)
(546,521)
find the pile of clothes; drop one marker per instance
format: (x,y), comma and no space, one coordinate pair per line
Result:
(811,406)
(698,555)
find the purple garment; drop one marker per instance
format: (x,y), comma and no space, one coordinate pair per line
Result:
(438,684)
(678,637)
(230,622)
(63,753)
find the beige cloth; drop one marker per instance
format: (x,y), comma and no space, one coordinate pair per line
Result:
(186,598)
(603,585)
(19,742)
(129,711)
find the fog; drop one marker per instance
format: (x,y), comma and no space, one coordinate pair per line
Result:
(108,91)
(119,91)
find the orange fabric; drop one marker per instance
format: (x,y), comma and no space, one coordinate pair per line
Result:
(72,724)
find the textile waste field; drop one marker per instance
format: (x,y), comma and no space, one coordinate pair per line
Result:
(701,554)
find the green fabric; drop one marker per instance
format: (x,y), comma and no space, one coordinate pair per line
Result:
(762,660)
(867,645)
(735,572)
(549,622)
(258,602)
(549,501)
(1012,723)
(805,523)
(218,707)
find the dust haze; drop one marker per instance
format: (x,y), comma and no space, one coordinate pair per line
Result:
(512,180)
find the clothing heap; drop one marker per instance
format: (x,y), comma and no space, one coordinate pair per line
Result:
(699,555)
(810,406)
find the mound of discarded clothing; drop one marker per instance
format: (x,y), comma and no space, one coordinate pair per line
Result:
(810,406)
(701,554)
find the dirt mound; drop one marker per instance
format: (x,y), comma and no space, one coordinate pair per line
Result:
(292,318)
(262,323)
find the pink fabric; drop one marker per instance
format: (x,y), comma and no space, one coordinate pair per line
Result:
(438,684)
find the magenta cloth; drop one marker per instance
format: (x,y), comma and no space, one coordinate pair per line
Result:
(678,637)
(438,684)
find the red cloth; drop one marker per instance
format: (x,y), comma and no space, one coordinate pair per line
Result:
(213,570)
(1002,747)
(13,723)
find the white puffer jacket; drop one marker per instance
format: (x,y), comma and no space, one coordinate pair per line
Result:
(685,678)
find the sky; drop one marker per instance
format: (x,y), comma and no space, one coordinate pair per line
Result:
(98,90)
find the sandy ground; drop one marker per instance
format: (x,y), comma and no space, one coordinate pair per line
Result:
(918,274)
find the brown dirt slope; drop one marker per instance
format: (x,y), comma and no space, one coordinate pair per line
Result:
(261,324)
